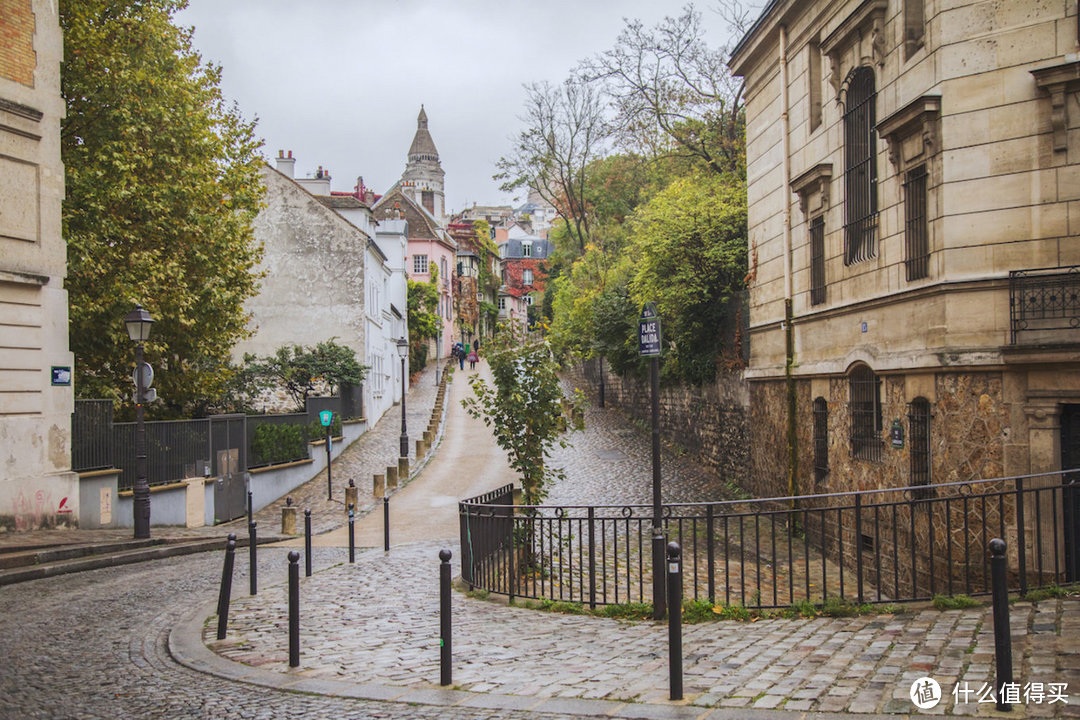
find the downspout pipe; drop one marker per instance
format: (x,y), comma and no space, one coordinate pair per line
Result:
(789,330)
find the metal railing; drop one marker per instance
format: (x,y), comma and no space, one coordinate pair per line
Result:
(1044,299)
(872,546)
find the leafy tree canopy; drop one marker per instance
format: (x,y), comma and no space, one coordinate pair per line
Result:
(690,255)
(300,370)
(162,187)
(424,320)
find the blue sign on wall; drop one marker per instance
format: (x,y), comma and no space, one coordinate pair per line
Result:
(61,375)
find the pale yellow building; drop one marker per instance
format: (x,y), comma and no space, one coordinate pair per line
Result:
(914,205)
(37,487)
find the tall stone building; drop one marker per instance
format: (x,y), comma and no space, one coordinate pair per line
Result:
(914,199)
(422,180)
(37,487)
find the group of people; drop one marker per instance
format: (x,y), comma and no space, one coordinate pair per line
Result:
(464,352)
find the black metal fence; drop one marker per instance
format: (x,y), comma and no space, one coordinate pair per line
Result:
(872,546)
(1044,299)
(179,449)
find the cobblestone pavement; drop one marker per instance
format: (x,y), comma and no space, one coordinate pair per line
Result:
(371,453)
(93,645)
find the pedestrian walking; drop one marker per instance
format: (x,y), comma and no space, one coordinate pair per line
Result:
(472,360)
(459,352)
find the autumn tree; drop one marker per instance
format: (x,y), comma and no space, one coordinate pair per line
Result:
(564,131)
(162,188)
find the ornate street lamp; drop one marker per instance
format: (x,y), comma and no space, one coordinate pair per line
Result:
(138,323)
(403,352)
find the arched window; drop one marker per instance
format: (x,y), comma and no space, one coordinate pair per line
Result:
(860,168)
(821,439)
(919,433)
(865,413)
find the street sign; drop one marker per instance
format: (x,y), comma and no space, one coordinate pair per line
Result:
(147,375)
(326,417)
(649,332)
(61,375)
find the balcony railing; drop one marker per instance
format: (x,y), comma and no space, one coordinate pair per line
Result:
(1044,299)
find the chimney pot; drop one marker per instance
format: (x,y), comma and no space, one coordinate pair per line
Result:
(290,153)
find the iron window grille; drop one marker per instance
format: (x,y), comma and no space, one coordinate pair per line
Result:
(916,225)
(866,423)
(919,432)
(817,260)
(860,168)
(821,439)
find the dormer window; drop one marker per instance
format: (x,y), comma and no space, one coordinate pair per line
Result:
(526,249)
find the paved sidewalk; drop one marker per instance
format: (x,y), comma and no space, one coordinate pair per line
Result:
(370,629)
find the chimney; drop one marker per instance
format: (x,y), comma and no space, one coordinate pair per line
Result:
(285,165)
(318,185)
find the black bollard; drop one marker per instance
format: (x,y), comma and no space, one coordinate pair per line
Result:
(999,590)
(307,543)
(252,545)
(352,534)
(674,593)
(294,608)
(386,523)
(226,587)
(444,618)
(250,505)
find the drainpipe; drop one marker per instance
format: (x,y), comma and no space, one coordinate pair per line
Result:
(789,330)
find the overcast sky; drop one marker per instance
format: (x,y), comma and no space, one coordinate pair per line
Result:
(340,82)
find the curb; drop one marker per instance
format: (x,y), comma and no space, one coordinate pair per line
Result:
(96,562)
(185,645)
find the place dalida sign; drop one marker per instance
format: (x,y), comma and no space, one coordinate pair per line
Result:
(649,331)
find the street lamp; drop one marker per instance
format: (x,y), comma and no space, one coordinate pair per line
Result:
(403,352)
(138,323)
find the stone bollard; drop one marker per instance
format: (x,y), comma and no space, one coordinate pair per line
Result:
(391,477)
(379,485)
(428,437)
(351,494)
(421,449)
(403,469)
(288,520)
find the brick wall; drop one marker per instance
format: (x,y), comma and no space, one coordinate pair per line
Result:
(17,56)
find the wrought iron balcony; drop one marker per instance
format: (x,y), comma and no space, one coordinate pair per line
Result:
(1044,302)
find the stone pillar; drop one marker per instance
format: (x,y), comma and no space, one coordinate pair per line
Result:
(391,477)
(1044,455)
(421,449)
(379,486)
(288,520)
(403,469)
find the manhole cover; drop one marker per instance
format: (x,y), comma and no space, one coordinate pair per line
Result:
(610,455)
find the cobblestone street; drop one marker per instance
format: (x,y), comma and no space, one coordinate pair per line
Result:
(105,644)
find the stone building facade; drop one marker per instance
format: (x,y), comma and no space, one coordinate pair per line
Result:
(37,487)
(914,199)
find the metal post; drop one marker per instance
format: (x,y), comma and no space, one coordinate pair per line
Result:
(444,618)
(674,589)
(250,503)
(386,523)
(858,547)
(141,490)
(294,608)
(252,558)
(307,543)
(659,603)
(329,482)
(710,552)
(592,557)
(404,450)
(1021,536)
(226,587)
(352,534)
(1002,637)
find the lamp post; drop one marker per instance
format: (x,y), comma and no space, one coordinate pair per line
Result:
(138,323)
(403,352)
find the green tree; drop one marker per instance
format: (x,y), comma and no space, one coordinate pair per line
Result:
(424,320)
(524,407)
(690,254)
(299,370)
(162,187)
